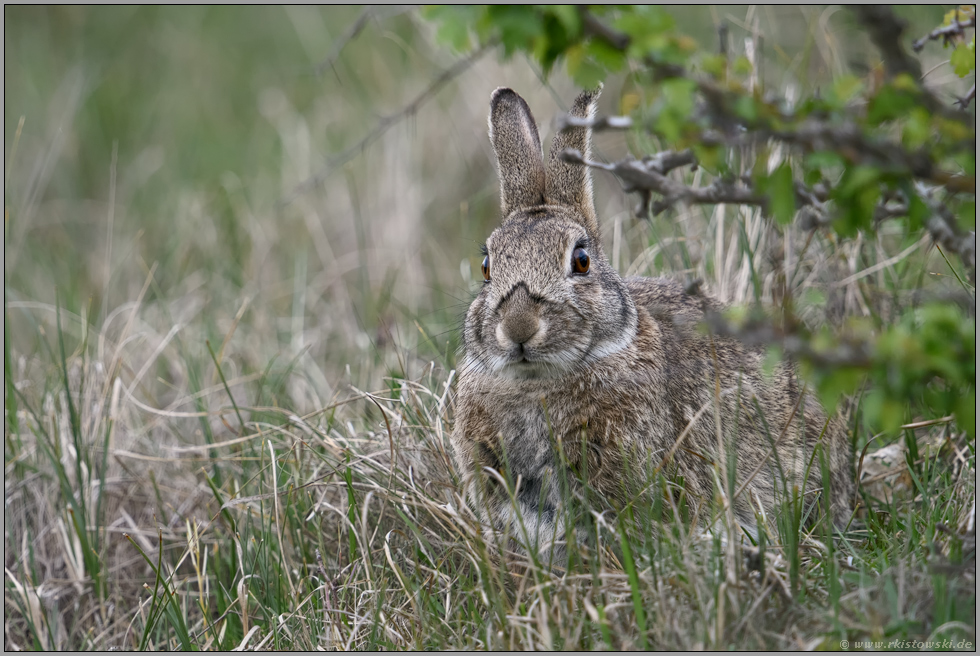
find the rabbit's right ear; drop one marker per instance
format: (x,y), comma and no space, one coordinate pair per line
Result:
(520,161)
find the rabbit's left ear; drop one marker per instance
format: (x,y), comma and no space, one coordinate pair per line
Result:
(520,161)
(571,184)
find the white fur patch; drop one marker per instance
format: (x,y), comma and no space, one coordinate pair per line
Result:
(611,348)
(502,340)
(473,365)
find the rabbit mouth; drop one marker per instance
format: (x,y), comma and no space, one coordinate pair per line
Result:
(523,368)
(524,365)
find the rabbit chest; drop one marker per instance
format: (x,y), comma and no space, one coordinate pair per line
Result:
(529,429)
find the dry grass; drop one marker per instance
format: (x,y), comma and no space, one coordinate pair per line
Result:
(227,417)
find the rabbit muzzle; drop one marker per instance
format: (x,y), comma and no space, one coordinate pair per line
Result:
(520,322)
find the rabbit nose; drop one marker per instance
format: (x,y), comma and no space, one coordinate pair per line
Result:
(520,326)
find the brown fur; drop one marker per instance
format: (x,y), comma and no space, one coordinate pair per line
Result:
(602,375)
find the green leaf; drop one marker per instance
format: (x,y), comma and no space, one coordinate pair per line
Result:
(745,108)
(742,66)
(782,196)
(587,74)
(605,55)
(708,156)
(856,195)
(813,297)
(455,22)
(844,89)
(715,65)
(844,380)
(918,129)
(962,60)
(918,212)
(645,26)
(966,414)
(905,82)
(568,16)
(677,104)
(857,178)
(824,159)
(892,101)
(517,26)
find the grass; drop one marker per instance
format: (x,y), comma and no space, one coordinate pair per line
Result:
(227,418)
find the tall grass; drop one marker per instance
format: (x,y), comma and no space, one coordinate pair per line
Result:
(227,417)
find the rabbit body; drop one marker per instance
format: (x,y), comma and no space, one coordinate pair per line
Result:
(572,373)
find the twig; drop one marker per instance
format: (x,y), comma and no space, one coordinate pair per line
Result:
(649,175)
(385,123)
(594,27)
(371,11)
(965,101)
(599,123)
(355,28)
(942,226)
(947,33)
(885,30)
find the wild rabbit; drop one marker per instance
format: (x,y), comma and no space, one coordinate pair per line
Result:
(573,373)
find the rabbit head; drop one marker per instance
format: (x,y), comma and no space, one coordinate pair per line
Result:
(551,302)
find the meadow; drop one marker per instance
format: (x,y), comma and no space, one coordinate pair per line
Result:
(238,247)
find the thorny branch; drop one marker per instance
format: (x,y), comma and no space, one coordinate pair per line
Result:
(846,139)
(650,174)
(942,226)
(385,123)
(947,33)
(965,101)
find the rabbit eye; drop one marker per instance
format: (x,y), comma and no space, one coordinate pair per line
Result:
(580,260)
(486,268)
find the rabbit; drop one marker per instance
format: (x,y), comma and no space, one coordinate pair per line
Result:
(569,372)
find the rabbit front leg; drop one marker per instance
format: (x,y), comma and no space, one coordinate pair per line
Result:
(518,483)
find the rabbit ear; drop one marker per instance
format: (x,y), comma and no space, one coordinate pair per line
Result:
(571,184)
(520,161)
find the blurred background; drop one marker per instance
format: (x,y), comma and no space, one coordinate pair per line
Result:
(306,188)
